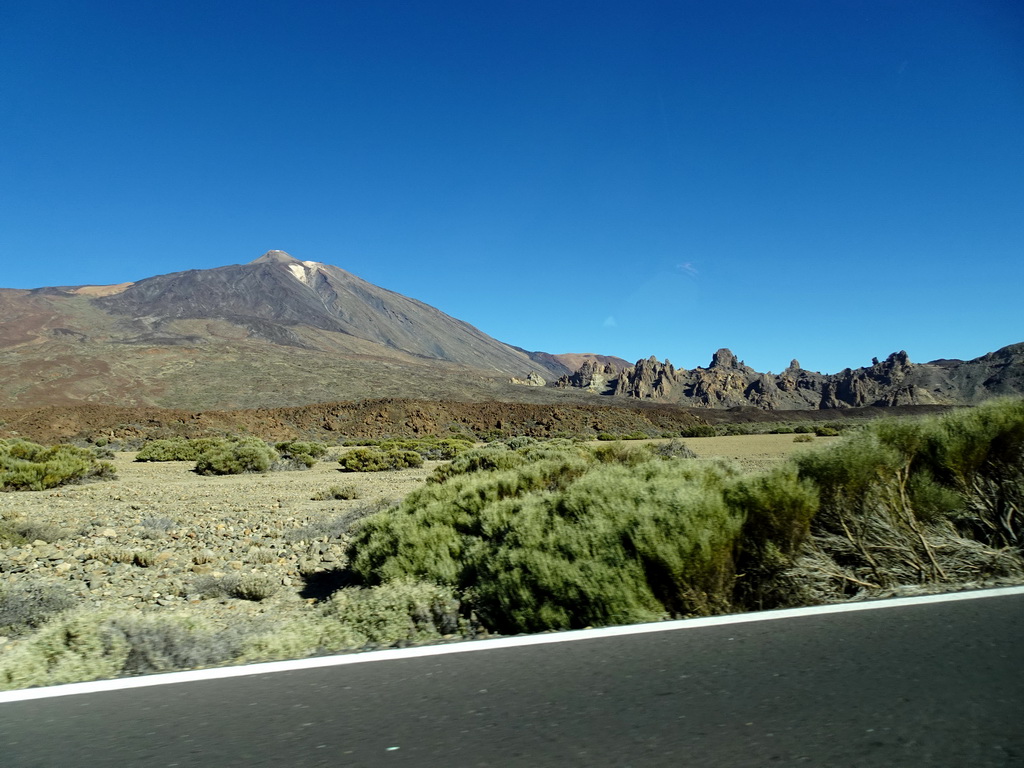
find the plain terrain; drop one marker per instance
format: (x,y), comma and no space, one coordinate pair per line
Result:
(160,537)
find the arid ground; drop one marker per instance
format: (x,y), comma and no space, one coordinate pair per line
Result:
(159,537)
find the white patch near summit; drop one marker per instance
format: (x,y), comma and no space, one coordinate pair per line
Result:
(300,272)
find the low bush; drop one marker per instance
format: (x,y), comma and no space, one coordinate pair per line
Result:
(298,454)
(566,540)
(82,645)
(338,493)
(699,430)
(400,612)
(921,501)
(377,460)
(674,449)
(431,448)
(177,448)
(10,535)
(26,466)
(27,606)
(253,587)
(236,456)
(555,535)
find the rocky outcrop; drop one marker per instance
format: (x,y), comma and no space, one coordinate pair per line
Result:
(533,379)
(728,383)
(648,379)
(591,375)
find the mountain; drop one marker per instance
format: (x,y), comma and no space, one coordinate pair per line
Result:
(274,332)
(280,332)
(728,383)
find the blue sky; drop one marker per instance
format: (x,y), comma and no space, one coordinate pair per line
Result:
(831,181)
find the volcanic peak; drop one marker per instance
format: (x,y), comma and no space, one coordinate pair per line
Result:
(276,257)
(300,270)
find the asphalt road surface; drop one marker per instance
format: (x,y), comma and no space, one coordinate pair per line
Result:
(936,684)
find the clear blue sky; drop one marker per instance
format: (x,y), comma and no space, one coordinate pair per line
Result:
(827,180)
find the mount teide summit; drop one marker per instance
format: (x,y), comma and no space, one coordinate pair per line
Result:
(276,331)
(278,298)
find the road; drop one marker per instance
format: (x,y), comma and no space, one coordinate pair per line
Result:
(932,684)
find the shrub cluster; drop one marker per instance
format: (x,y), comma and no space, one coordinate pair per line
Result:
(379,460)
(26,466)
(556,536)
(235,456)
(77,645)
(177,448)
(963,470)
(27,606)
(338,493)
(384,455)
(298,454)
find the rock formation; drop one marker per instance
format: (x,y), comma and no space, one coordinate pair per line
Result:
(728,383)
(534,379)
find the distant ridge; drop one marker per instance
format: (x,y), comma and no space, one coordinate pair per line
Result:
(279,332)
(728,383)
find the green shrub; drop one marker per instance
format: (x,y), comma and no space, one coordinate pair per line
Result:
(674,449)
(338,493)
(377,460)
(918,501)
(299,454)
(26,466)
(66,650)
(255,587)
(824,431)
(803,438)
(236,456)
(430,448)
(563,541)
(166,643)
(26,606)
(10,535)
(400,612)
(177,449)
(699,430)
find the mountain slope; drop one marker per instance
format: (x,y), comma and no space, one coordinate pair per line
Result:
(276,294)
(271,333)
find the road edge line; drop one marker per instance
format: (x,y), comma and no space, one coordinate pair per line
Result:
(470,646)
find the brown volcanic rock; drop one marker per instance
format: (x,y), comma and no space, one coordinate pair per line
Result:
(896,381)
(648,379)
(592,375)
(333,421)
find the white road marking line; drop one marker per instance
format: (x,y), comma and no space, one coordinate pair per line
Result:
(266,668)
